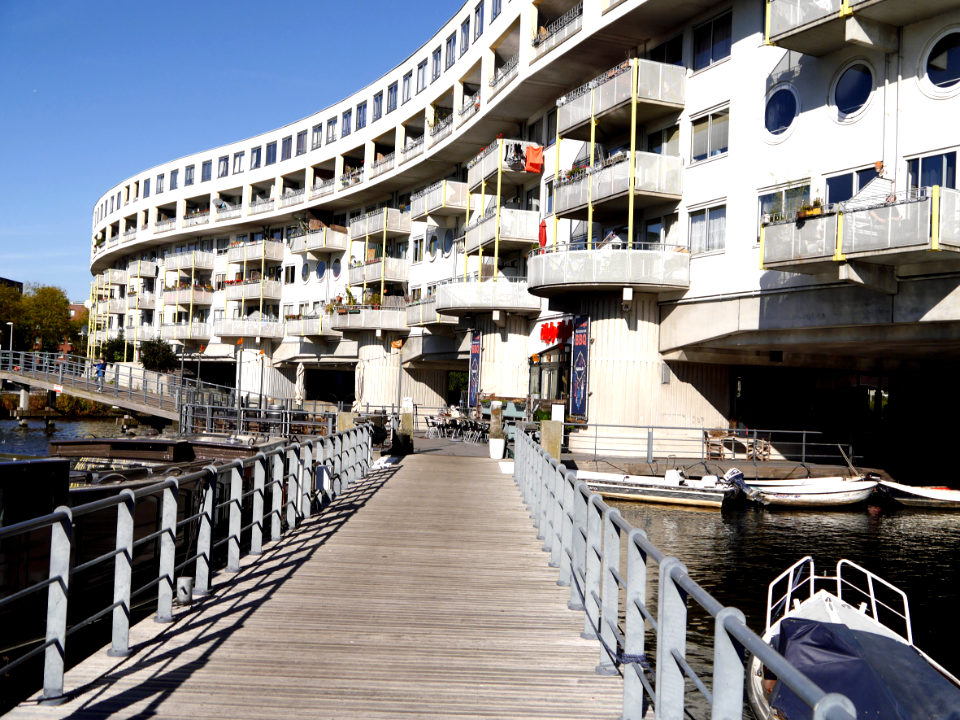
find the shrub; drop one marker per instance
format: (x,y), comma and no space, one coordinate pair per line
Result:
(158,355)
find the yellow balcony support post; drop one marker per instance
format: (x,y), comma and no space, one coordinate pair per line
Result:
(466,255)
(263,272)
(363,262)
(845,10)
(588,178)
(193,270)
(136,328)
(556,179)
(762,229)
(935,219)
(766,24)
(383,258)
(634,80)
(496,238)
(838,255)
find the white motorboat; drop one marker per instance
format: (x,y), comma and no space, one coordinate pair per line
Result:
(674,488)
(927,496)
(830,630)
(811,492)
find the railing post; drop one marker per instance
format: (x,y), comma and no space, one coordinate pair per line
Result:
(233,544)
(592,562)
(168,552)
(728,671)
(328,462)
(276,492)
(803,450)
(671,637)
(649,445)
(123,576)
(566,528)
(634,700)
(293,489)
(579,544)
(306,480)
(337,463)
(609,591)
(61,538)
(556,522)
(205,535)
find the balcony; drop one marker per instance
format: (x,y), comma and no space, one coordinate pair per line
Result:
(411,150)
(255,251)
(383,165)
(271,329)
(196,295)
(320,241)
(503,75)
(253,290)
(658,179)
(364,317)
(189,260)
(112,306)
(661,91)
(647,268)
(136,333)
(113,241)
(808,245)
(424,312)
(226,212)
(484,166)
(446,197)
(441,129)
(320,326)
(470,107)
(563,27)
(293,197)
(382,223)
(350,179)
(389,270)
(109,334)
(260,206)
(518,229)
(130,235)
(185,331)
(164,225)
(322,188)
(459,297)
(114,277)
(198,218)
(142,301)
(142,268)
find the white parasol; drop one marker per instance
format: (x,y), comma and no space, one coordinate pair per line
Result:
(301,390)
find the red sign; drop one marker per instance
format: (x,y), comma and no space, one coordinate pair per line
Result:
(556,332)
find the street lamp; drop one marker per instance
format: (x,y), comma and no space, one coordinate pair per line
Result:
(11,344)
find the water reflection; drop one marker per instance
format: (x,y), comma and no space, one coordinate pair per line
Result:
(35,440)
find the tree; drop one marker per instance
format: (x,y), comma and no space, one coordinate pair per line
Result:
(11,309)
(158,355)
(45,315)
(114,350)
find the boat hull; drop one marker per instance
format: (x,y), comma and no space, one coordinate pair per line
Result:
(925,497)
(659,494)
(808,497)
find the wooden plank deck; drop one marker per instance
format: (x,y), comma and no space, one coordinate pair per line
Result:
(422,593)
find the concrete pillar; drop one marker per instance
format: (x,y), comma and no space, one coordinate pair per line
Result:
(551,437)
(24,399)
(496,417)
(403,440)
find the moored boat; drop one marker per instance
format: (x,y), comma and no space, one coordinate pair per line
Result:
(926,496)
(811,492)
(674,488)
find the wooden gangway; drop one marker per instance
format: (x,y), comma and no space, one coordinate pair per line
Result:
(421,592)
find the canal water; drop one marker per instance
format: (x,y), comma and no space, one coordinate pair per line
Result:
(736,553)
(35,440)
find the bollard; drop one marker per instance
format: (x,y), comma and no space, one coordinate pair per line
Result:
(168,550)
(123,576)
(649,445)
(184,591)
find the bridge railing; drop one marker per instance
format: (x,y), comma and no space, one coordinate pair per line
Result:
(295,474)
(583,536)
(276,421)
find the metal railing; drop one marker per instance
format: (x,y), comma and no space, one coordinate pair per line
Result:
(316,468)
(226,212)
(504,74)
(787,15)
(559,30)
(470,107)
(612,264)
(412,149)
(385,164)
(199,218)
(164,225)
(260,206)
(324,187)
(349,179)
(293,197)
(441,129)
(584,537)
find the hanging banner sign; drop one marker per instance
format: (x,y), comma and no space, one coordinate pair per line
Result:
(474,392)
(581,365)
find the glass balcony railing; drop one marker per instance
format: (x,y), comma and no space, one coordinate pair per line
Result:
(319,326)
(459,297)
(383,165)
(112,276)
(260,206)
(112,306)
(446,197)
(391,270)
(412,149)
(267,328)
(508,157)
(518,228)
(164,225)
(142,268)
(503,75)
(572,266)
(322,188)
(253,290)
(470,107)
(424,312)
(197,295)
(256,251)
(141,301)
(227,212)
(365,317)
(185,331)
(136,333)
(197,218)
(385,221)
(325,240)
(189,259)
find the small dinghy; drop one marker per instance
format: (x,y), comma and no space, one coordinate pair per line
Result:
(928,497)
(811,492)
(829,629)
(674,488)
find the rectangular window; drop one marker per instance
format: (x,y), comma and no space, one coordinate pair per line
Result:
(437,59)
(478,21)
(451,50)
(392,98)
(174,179)
(361,115)
(286,148)
(551,127)
(317,136)
(548,187)
(418,250)
(711,42)
(223,166)
(495,9)
(146,188)
(661,230)
(289,275)
(933,170)
(665,141)
(708,229)
(710,134)
(254,158)
(533,199)
(841,188)
(159,189)
(670,52)
(271,153)
(331,130)
(111,200)
(421,77)
(535,132)
(783,203)
(464,36)
(301,142)
(377,106)
(238,162)
(347,123)
(206,170)
(406,86)
(188,175)
(223,244)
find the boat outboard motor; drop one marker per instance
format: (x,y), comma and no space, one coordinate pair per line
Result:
(734,477)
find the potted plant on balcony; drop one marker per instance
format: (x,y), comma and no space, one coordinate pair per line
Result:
(810,209)
(375,301)
(498,442)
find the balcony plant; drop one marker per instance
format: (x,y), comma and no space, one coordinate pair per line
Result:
(810,209)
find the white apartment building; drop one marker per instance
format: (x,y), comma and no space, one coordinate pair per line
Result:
(754,203)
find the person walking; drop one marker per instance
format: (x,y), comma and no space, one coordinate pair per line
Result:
(101,368)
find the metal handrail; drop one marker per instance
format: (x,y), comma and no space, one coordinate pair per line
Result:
(559,24)
(345,456)
(502,73)
(583,536)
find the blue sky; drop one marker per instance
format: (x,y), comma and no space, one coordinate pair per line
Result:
(94,92)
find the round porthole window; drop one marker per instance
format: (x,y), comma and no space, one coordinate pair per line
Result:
(321,269)
(447,242)
(781,111)
(336,268)
(434,246)
(852,90)
(305,272)
(940,65)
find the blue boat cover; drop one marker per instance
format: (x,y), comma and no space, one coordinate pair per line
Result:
(885,679)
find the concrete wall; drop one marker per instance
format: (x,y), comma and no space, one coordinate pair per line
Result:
(379,369)
(504,368)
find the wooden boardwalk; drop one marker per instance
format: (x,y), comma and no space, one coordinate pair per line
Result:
(421,593)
